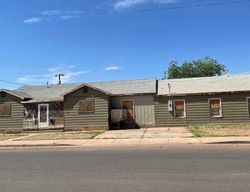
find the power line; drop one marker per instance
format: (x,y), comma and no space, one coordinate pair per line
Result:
(11,82)
(106,12)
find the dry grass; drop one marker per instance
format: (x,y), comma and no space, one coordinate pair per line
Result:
(62,135)
(220,130)
(4,136)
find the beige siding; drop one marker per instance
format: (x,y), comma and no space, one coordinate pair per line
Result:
(15,121)
(143,106)
(99,119)
(197,110)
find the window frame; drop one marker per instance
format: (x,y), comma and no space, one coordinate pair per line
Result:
(221,108)
(185,114)
(9,105)
(86,112)
(247,101)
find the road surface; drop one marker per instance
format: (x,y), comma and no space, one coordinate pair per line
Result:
(182,168)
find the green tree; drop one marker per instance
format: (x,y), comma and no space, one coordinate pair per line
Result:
(205,67)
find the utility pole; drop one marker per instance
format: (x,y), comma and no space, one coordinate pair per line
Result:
(59,78)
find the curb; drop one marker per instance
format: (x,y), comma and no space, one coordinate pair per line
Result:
(120,146)
(37,145)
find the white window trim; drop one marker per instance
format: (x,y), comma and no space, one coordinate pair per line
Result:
(185,116)
(221,110)
(248,112)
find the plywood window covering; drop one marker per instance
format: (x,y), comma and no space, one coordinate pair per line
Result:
(215,107)
(248,105)
(5,110)
(179,108)
(86,106)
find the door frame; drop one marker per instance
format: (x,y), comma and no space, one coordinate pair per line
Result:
(43,125)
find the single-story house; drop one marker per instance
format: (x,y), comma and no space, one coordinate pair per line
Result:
(98,105)
(127,104)
(208,100)
(11,109)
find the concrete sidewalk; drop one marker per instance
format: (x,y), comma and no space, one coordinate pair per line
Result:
(158,137)
(135,142)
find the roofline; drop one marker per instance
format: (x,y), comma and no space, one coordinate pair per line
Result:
(125,80)
(209,77)
(45,101)
(86,85)
(133,94)
(203,93)
(9,92)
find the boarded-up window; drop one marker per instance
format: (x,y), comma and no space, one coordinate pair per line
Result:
(4,110)
(215,108)
(248,105)
(179,108)
(86,106)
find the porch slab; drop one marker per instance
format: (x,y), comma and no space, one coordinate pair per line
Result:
(159,132)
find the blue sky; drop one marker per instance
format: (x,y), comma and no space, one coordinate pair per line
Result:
(99,40)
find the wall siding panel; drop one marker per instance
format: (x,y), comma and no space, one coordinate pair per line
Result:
(197,110)
(97,120)
(143,107)
(15,121)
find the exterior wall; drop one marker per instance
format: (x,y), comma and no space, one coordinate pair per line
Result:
(56,118)
(99,119)
(143,108)
(234,107)
(15,121)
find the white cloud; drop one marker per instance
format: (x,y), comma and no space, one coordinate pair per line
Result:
(52,12)
(71,14)
(61,14)
(49,75)
(123,4)
(112,68)
(32,20)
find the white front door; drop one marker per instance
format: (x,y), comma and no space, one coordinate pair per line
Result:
(43,115)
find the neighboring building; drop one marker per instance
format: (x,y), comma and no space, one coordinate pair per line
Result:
(127,104)
(209,100)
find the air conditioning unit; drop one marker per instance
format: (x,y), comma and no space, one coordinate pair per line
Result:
(118,115)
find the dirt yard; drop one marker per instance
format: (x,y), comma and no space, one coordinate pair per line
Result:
(4,136)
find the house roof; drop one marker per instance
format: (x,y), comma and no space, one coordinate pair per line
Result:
(127,87)
(86,85)
(46,93)
(204,85)
(19,94)
(56,92)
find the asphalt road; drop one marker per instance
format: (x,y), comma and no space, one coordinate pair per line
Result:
(182,168)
